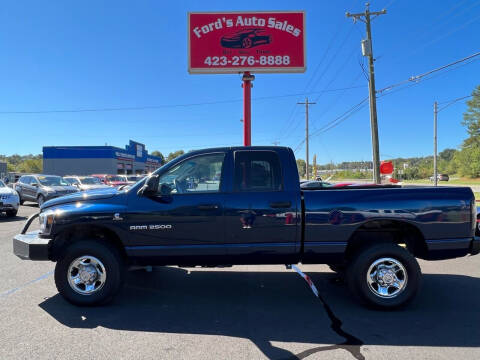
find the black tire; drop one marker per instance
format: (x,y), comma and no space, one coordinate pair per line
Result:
(12,213)
(40,200)
(20,200)
(357,271)
(110,258)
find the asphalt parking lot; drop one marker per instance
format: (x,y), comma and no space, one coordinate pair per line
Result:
(244,312)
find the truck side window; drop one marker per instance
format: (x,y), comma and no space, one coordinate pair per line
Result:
(257,171)
(201,173)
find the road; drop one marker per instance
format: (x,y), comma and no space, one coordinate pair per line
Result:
(244,312)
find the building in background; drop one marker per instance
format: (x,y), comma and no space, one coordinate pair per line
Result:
(86,160)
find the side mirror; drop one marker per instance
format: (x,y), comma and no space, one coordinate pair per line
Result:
(150,187)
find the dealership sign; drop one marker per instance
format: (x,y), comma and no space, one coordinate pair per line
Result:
(234,42)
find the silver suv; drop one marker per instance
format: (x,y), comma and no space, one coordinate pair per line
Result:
(40,188)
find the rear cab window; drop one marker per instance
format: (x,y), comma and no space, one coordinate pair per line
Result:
(257,171)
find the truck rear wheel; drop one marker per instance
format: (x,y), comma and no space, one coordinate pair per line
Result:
(384,276)
(89,273)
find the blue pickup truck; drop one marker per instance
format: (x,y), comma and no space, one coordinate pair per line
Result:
(227,206)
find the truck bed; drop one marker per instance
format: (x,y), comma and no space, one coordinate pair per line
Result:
(332,216)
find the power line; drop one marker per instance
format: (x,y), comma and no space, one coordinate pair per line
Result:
(346,114)
(294,109)
(436,25)
(327,108)
(155,107)
(458,28)
(423,80)
(451,102)
(418,77)
(418,80)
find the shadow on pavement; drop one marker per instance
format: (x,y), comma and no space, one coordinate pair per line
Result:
(278,306)
(6,219)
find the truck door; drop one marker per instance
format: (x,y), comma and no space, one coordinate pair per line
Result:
(184,222)
(260,212)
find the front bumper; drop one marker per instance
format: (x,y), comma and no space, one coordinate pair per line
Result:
(9,204)
(31,247)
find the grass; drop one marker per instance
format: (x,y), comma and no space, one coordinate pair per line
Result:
(477,195)
(454,181)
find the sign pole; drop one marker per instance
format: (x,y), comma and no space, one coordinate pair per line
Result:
(247,108)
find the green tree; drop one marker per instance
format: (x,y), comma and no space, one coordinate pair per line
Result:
(447,154)
(159,154)
(467,160)
(174,155)
(301,167)
(31,166)
(471,119)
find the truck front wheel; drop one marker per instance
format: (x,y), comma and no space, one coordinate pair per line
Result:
(384,276)
(89,273)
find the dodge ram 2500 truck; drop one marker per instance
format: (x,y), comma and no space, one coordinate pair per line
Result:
(244,205)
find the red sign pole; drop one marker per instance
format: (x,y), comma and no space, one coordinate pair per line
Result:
(247,108)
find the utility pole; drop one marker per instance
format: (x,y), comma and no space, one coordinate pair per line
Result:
(306,103)
(367,50)
(435,171)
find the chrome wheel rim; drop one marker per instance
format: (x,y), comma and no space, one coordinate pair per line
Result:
(86,275)
(387,278)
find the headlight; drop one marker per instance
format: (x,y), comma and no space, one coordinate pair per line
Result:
(46,220)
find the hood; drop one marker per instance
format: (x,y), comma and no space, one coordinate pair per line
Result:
(61,188)
(7,190)
(92,187)
(96,194)
(118,183)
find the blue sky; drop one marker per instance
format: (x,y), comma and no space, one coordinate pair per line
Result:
(59,55)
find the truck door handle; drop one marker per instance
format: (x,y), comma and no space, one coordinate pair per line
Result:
(281,204)
(207,206)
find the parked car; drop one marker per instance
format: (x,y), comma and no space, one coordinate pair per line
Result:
(440,177)
(255,213)
(112,180)
(84,183)
(9,201)
(40,188)
(313,184)
(132,179)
